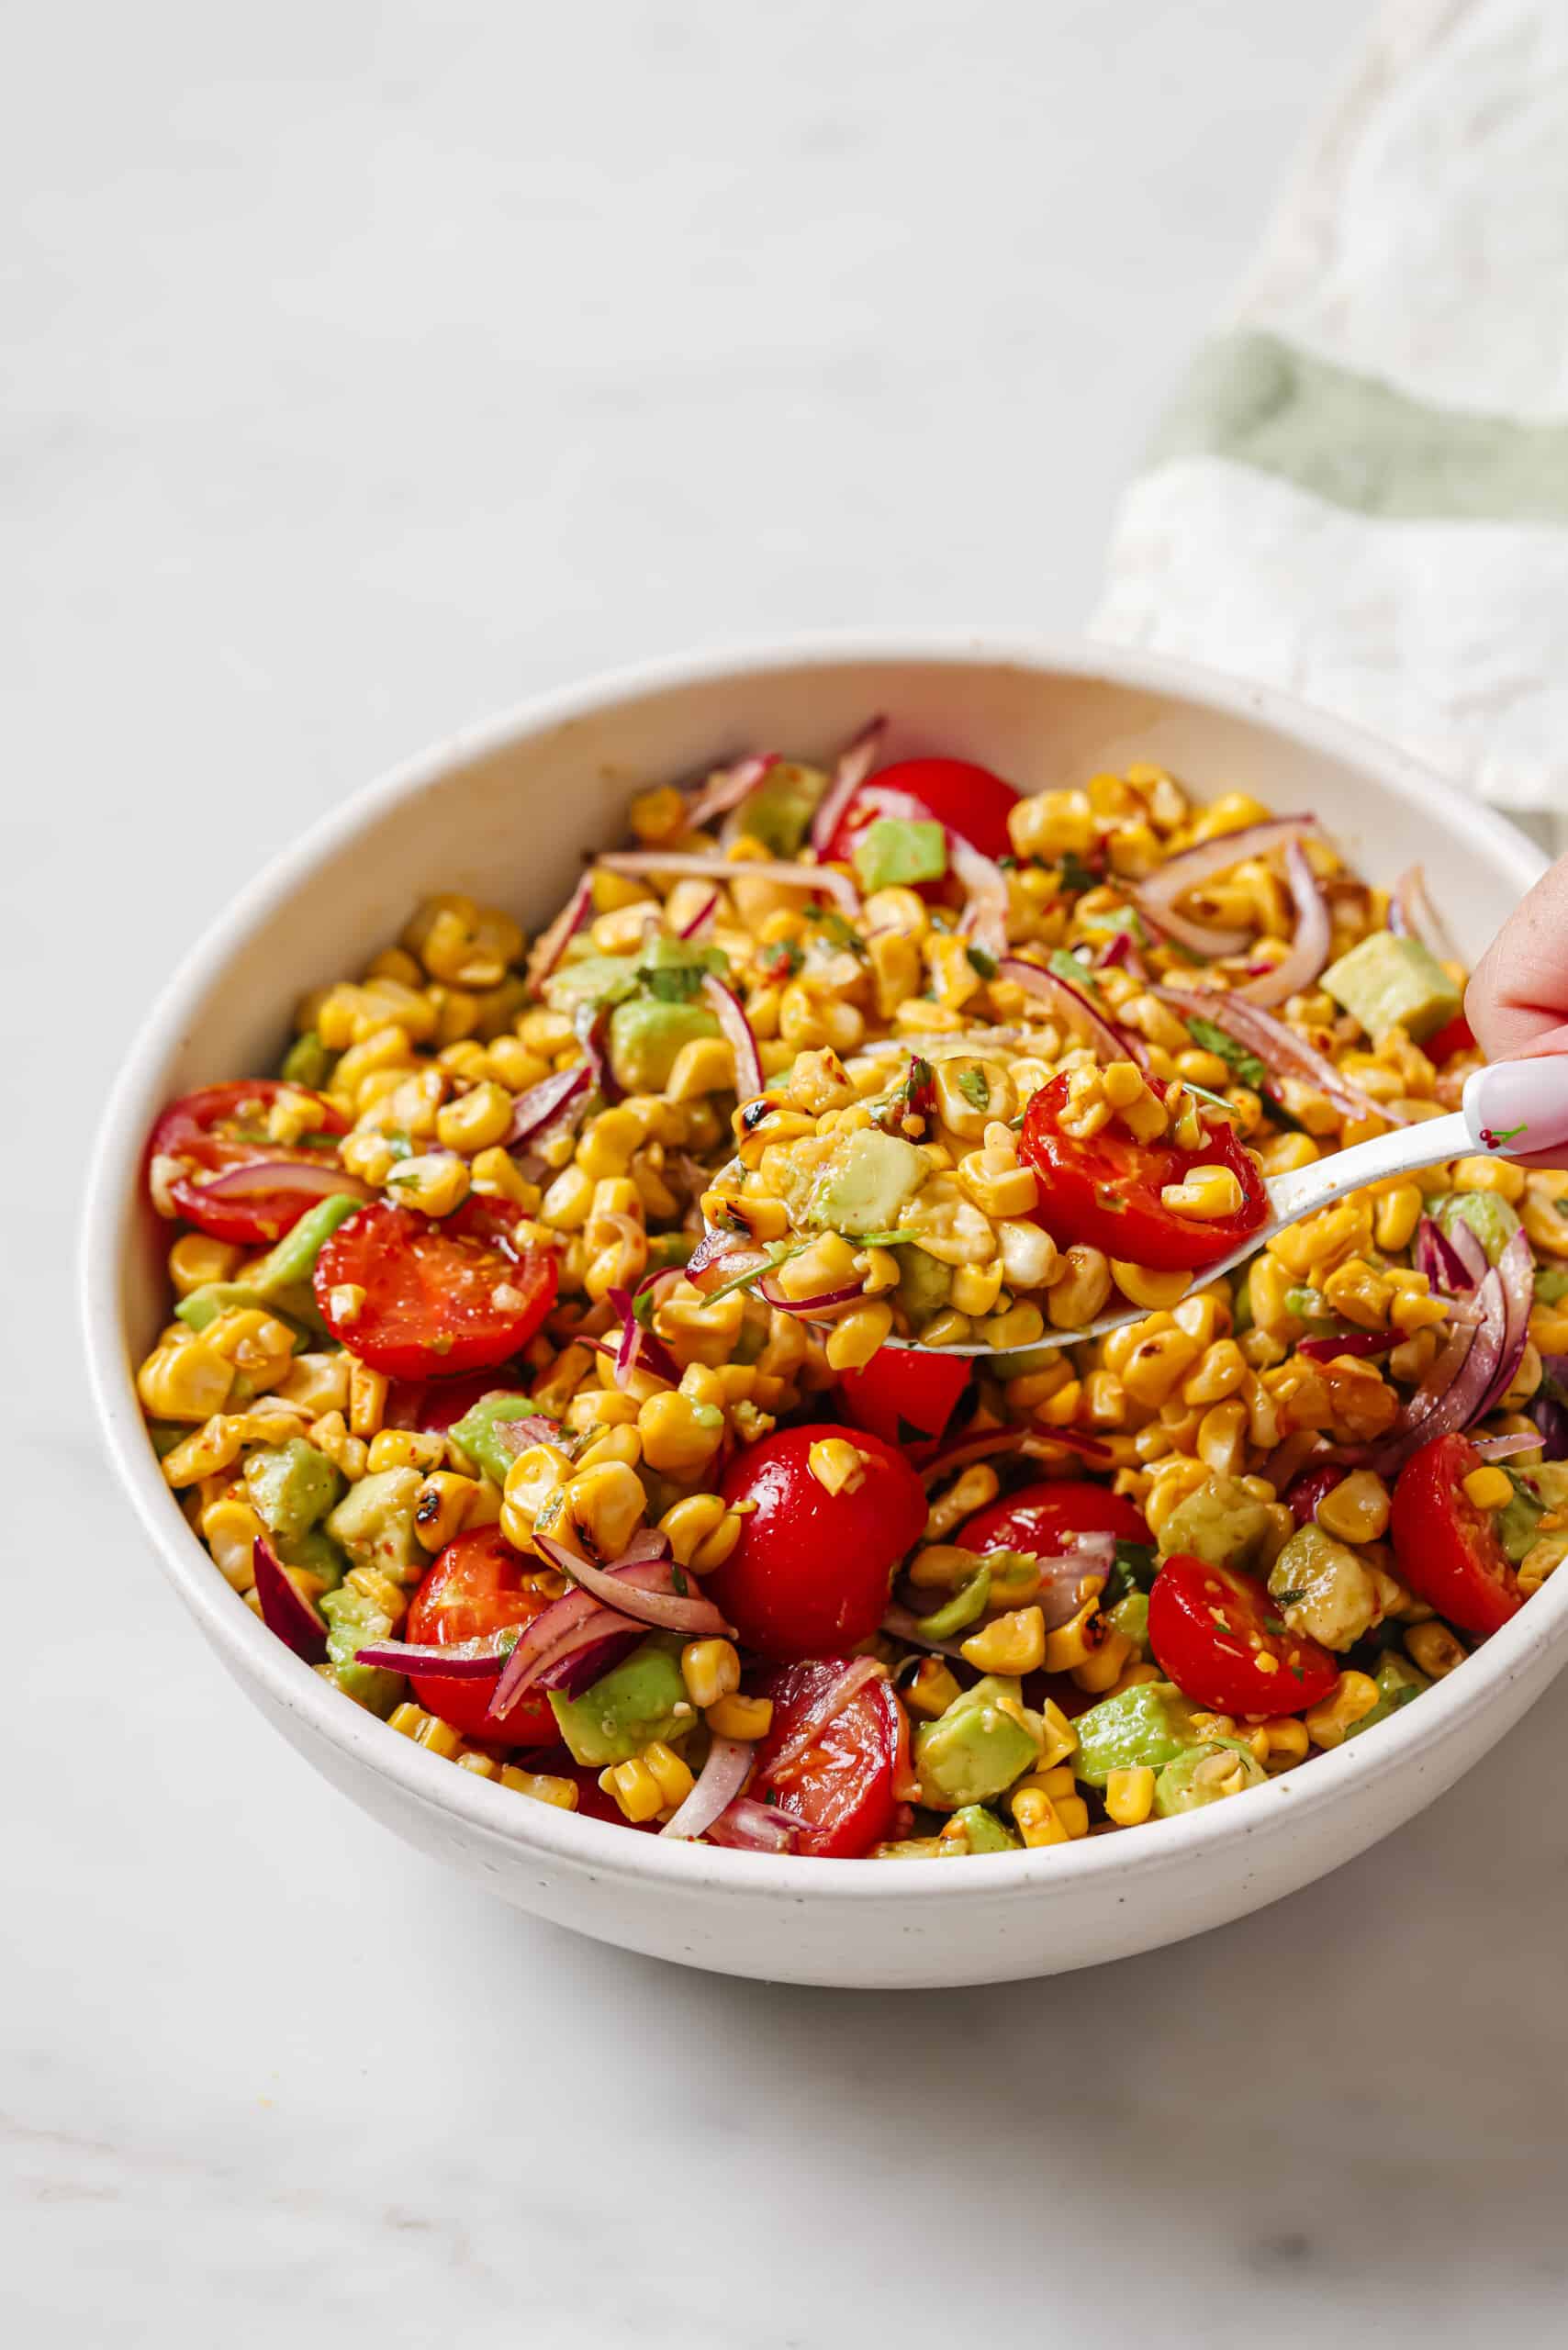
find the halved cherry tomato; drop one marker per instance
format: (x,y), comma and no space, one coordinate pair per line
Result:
(1447,1550)
(1456,1035)
(842,1790)
(1036,1520)
(441,1296)
(1221,1638)
(224,1128)
(966,800)
(811,1571)
(433,1406)
(1104,1192)
(904,1395)
(477,1587)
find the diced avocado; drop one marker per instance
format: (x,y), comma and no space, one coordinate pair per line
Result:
(641,1698)
(1387,983)
(355,1621)
(683,956)
(1130,1617)
(646,1034)
(894,851)
(925,1283)
(982,1831)
(165,1435)
(1206,1774)
(293,1259)
(1519,1519)
(591,978)
(1398,1680)
(961,1610)
(1219,1522)
(1145,1726)
(779,812)
(307,1062)
(986,1739)
(477,1432)
(291,1486)
(865,1184)
(1550,1479)
(213,1298)
(374,1523)
(316,1551)
(1551,1284)
(1324,1588)
(1487,1213)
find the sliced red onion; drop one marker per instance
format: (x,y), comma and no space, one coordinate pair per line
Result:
(552,943)
(1120,953)
(642,1588)
(964,1448)
(639,1350)
(714,867)
(727,787)
(592,1025)
(722,1776)
(575,1621)
(827,1301)
(701,918)
(581,1667)
(1070,1578)
(1548,1408)
(465,1660)
(826,1707)
(306,1178)
(1282,1052)
(1502,1448)
(1038,1442)
(1515,1271)
(730,1014)
(1309,949)
(544,1105)
(295,1621)
(1466,1244)
(1157,896)
(747,1826)
(1451,1395)
(853,764)
(1435,1255)
(534,1427)
(1091,1027)
(984,884)
(1416,915)
(1359,1343)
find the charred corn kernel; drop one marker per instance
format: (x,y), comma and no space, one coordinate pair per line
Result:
(618,1443)
(711,1670)
(1037,1819)
(442,1508)
(827,1264)
(1220,1372)
(1397,1215)
(932,1689)
(436,1182)
(544,1786)
(605,1505)
(184,1379)
(978,1485)
(1082,1289)
(380,1589)
(1357,1510)
(1014,1643)
(475,1119)
(1488,1488)
(1358,1293)
(1222,1437)
(1146,1287)
(1157,1363)
(743,1718)
(1099,1673)
(534,1478)
(1058,1736)
(214,1446)
(367,1399)
(347,1453)
(670,1774)
(1129,1796)
(229,1526)
(701,1531)
(634,1789)
(405,1448)
(855,1338)
(837,1465)
(1354,1696)
(1310,1251)
(1073,1643)
(254,1341)
(1208,1194)
(195,1259)
(679,1438)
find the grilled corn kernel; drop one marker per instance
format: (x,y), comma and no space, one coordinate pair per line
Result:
(405,1448)
(837,1465)
(214,1446)
(1208,1194)
(1488,1488)
(1129,1796)
(671,1775)
(1082,1290)
(476,1121)
(496,1175)
(605,1503)
(1075,1642)
(185,1381)
(855,1338)
(711,1670)
(1351,1700)
(1014,1643)
(195,1259)
(544,1786)
(436,1182)
(701,1531)
(743,1718)
(1099,1673)
(679,1438)
(1156,1364)
(933,1688)
(1357,1510)
(442,1508)
(635,1788)
(1037,1819)
(367,1399)
(971,1094)
(229,1526)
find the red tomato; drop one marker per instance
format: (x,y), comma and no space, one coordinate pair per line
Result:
(430,1288)
(840,1791)
(1104,1193)
(1036,1520)
(1220,1637)
(1447,1550)
(224,1128)
(968,801)
(433,1406)
(903,1394)
(810,1573)
(1456,1035)
(1302,1493)
(477,1587)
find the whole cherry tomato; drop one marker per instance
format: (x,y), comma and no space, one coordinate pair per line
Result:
(1038,1519)
(1448,1550)
(842,1791)
(904,1395)
(1105,1191)
(964,799)
(221,1131)
(810,1573)
(1221,1638)
(479,1586)
(441,1296)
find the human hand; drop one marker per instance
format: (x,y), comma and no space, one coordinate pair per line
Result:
(1517,1000)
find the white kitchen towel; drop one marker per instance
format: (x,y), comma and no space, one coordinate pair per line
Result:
(1361,492)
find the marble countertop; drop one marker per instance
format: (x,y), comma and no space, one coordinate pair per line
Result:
(370,368)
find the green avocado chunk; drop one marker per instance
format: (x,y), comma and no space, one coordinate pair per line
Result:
(306,1062)
(291,1487)
(1200,1775)
(355,1621)
(925,1283)
(374,1523)
(898,851)
(316,1551)
(1218,1522)
(213,1298)
(293,1260)
(961,1610)
(581,979)
(641,1698)
(986,1739)
(477,1432)
(779,812)
(1146,1726)
(864,1185)
(1130,1617)
(1398,1680)
(1488,1214)
(1519,1519)
(1387,983)
(982,1831)
(646,1034)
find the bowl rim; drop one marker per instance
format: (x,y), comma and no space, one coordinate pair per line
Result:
(606,1847)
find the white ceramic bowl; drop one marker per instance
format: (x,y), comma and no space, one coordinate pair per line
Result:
(504,812)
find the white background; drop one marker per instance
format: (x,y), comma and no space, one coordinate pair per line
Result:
(368,368)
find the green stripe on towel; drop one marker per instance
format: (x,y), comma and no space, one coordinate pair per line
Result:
(1357,443)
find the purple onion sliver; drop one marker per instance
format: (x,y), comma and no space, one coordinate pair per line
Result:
(1349,1342)
(463,1663)
(1502,1448)
(701,919)
(293,1620)
(545,1103)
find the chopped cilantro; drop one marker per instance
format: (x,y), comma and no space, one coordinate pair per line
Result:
(1211,1039)
(1290,1598)
(1135,1569)
(974,1087)
(1076,875)
(1077,974)
(986,965)
(673,982)
(833,926)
